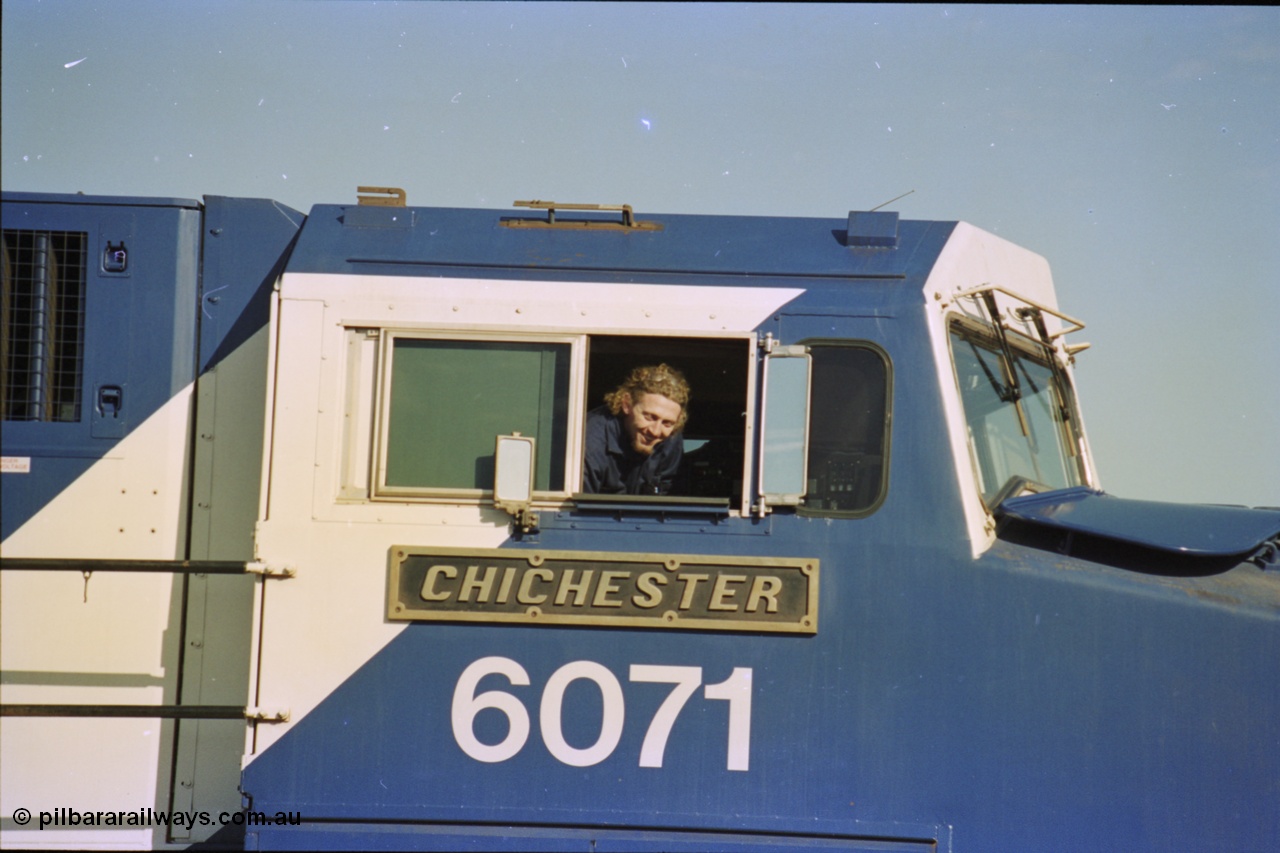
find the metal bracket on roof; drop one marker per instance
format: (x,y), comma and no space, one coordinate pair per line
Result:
(628,222)
(384,196)
(385,208)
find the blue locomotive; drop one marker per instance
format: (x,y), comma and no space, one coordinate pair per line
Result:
(298,551)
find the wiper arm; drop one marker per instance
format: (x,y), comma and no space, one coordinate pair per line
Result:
(1002,391)
(1055,368)
(1011,392)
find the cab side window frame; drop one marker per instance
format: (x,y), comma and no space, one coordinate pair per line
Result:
(993,388)
(826,425)
(409,439)
(850,429)
(451,458)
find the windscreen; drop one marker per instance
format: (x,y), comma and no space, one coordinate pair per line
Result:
(1014,410)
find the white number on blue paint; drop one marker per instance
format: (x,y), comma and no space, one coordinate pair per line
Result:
(466,705)
(736,690)
(610,724)
(686,680)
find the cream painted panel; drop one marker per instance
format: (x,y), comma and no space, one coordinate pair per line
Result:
(493,304)
(118,623)
(295,400)
(87,764)
(119,647)
(130,504)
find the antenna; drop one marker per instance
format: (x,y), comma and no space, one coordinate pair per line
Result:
(890,201)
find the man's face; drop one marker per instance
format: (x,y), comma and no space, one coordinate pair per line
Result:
(649,420)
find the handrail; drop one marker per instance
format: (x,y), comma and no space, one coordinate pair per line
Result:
(181,567)
(87,567)
(1077,325)
(165,712)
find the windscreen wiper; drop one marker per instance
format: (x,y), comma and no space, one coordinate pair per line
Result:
(1011,392)
(1036,316)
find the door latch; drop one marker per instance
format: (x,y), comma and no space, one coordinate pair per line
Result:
(110,400)
(115,258)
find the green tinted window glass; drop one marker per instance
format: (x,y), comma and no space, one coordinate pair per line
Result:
(451,399)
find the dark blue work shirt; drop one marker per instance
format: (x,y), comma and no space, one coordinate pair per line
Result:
(614,468)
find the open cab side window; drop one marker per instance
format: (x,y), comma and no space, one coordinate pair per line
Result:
(717,432)
(426,409)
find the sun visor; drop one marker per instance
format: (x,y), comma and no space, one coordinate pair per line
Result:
(1187,530)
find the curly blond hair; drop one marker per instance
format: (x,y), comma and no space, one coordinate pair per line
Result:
(653,379)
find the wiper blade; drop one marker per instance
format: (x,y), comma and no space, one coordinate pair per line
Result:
(1012,392)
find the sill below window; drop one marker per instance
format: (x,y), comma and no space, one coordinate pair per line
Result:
(665,504)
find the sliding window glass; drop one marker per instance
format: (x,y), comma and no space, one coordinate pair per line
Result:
(848,430)
(446,400)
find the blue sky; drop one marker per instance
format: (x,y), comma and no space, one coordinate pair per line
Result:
(1136,148)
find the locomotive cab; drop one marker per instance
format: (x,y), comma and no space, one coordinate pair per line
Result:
(882,603)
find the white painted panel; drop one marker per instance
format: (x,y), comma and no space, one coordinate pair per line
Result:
(130,504)
(85,765)
(494,304)
(119,647)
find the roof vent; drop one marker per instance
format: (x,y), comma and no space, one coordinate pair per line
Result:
(872,229)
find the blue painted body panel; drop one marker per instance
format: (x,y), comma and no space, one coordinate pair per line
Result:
(466,242)
(1211,531)
(247,242)
(939,693)
(78,200)
(456,838)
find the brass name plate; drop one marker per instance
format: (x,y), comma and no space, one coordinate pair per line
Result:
(685,591)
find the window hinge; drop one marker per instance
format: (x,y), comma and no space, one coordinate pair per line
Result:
(267,715)
(282,572)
